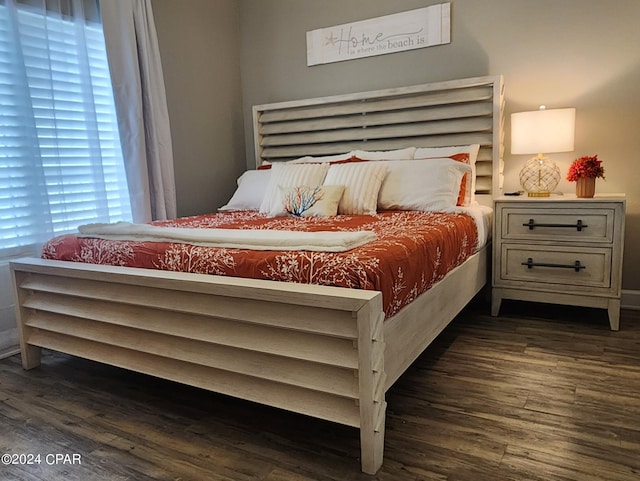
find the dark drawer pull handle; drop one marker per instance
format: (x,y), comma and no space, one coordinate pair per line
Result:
(578,225)
(576,265)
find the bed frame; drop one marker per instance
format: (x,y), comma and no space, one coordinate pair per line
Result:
(323,351)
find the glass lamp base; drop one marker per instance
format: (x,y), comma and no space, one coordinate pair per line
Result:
(539,176)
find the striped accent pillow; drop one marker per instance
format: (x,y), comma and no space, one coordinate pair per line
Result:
(289,175)
(362,181)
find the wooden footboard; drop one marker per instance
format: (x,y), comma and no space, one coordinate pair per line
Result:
(314,350)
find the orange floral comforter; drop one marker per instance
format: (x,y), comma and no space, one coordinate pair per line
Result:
(413,251)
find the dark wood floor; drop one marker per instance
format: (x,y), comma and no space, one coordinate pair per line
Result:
(540,393)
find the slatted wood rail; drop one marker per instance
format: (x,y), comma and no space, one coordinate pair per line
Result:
(314,350)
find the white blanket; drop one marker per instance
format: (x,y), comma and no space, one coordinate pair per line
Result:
(266,240)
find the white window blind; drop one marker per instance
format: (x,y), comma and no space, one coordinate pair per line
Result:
(60,158)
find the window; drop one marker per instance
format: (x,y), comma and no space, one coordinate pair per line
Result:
(60,158)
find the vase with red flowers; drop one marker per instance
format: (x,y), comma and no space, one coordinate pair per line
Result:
(584,172)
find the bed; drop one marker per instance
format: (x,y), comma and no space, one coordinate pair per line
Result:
(324,351)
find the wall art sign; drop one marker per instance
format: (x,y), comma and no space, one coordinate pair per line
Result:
(423,27)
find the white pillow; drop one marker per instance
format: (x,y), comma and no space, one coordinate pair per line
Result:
(426,185)
(399,154)
(361,182)
(439,152)
(252,186)
(312,201)
(316,160)
(308,159)
(289,175)
(328,158)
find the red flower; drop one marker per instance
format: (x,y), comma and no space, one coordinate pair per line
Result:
(585,167)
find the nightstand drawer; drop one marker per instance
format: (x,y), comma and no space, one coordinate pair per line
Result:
(548,224)
(573,269)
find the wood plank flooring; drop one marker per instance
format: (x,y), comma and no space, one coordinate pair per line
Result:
(541,393)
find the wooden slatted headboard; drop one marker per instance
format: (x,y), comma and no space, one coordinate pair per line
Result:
(457,112)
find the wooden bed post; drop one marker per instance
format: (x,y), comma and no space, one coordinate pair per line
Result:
(371,377)
(31,355)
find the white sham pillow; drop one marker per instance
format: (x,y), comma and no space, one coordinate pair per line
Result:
(252,186)
(317,160)
(328,158)
(425,185)
(289,175)
(439,152)
(312,201)
(362,181)
(399,154)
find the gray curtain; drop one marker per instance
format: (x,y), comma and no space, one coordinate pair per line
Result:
(143,117)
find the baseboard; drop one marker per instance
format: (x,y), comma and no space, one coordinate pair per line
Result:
(630,300)
(10,351)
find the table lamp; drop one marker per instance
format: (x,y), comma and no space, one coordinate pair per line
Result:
(539,132)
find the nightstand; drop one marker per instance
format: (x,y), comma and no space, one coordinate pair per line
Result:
(560,250)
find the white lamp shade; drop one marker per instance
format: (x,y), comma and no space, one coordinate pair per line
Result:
(543,131)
